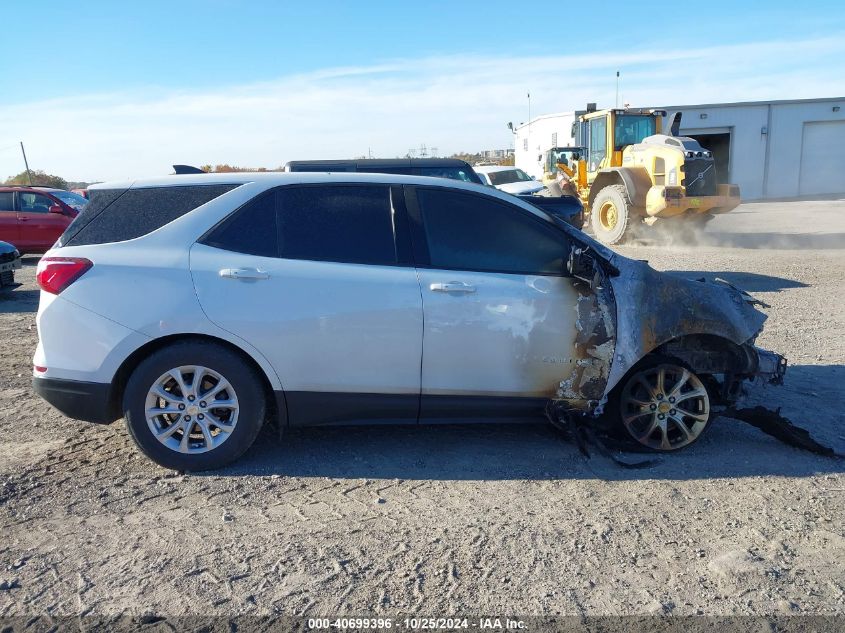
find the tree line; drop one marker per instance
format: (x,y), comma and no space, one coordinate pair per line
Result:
(42,179)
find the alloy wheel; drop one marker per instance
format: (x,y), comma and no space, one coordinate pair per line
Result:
(665,407)
(191,409)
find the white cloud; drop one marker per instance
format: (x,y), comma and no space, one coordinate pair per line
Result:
(451,102)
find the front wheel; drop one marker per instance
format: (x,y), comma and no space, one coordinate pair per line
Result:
(662,405)
(194,406)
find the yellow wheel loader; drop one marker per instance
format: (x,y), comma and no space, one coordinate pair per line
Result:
(628,172)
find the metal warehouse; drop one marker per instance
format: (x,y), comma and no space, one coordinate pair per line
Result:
(771,149)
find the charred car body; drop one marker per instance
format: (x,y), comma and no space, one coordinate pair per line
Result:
(358,298)
(655,351)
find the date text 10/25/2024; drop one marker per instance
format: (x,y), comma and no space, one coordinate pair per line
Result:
(422,623)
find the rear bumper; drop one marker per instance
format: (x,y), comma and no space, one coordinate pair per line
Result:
(86,401)
(665,202)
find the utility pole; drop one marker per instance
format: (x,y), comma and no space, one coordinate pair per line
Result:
(25,162)
(528,138)
(617,88)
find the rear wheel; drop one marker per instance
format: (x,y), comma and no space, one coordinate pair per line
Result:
(662,405)
(611,214)
(194,406)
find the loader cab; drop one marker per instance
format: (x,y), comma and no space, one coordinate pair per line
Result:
(566,155)
(606,134)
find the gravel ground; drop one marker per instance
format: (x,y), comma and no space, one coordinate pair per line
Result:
(440,521)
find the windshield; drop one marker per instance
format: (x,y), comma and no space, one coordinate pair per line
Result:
(73,200)
(632,128)
(508,176)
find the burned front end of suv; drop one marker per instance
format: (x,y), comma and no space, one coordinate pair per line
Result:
(631,314)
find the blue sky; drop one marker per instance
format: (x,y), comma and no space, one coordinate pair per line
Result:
(116,90)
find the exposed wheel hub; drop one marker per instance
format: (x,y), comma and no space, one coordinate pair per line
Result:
(608,216)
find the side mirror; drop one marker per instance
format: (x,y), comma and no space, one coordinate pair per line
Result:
(56,209)
(582,265)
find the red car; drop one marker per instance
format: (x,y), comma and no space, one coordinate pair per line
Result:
(33,218)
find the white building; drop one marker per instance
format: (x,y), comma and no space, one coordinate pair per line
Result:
(771,149)
(533,139)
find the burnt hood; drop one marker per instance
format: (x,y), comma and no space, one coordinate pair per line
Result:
(654,308)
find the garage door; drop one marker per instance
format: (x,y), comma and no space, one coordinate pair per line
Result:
(823,158)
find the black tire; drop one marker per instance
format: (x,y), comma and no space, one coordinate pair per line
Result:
(613,411)
(7,278)
(241,376)
(606,231)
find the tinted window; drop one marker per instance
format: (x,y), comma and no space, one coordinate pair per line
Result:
(321,167)
(116,216)
(73,200)
(7,201)
(466,174)
(250,230)
(34,202)
(367,169)
(471,232)
(508,176)
(340,223)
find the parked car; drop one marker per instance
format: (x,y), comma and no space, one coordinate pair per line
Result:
(80,192)
(10,261)
(358,298)
(32,218)
(510,180)
(567,208)
(453,168)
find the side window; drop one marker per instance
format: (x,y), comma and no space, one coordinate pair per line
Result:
(471,232)
(336,223)
(34,202)
(455,173)
(251,229)
(598,142)
(115,215)
(7,201)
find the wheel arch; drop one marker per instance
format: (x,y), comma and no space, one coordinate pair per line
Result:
(635,180)
(708,355)
(276,404)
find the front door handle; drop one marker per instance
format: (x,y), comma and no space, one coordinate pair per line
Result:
(244,273)
(452,286)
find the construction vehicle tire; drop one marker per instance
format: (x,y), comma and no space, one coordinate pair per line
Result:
(611,214)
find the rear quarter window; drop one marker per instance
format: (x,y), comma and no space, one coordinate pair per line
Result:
(117,215)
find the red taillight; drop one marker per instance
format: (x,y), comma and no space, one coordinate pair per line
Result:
(57,273)
(40,369)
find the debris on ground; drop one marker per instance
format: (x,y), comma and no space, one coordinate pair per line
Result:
(584,431)
(774,424)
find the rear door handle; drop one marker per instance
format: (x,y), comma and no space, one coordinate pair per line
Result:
(452,286)
(244,273)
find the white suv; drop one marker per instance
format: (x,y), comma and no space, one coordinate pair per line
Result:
(198,306)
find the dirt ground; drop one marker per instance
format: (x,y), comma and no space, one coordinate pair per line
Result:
(445,521)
